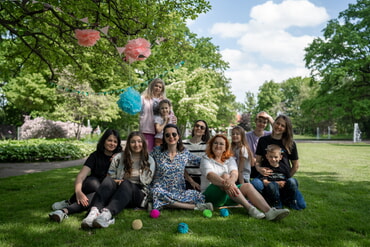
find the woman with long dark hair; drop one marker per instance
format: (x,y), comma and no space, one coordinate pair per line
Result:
(127,183)
(282,136)
(169,188)
(90,177)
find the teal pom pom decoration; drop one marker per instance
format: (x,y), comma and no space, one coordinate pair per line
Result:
(183,228)
(224,212)
(130,101)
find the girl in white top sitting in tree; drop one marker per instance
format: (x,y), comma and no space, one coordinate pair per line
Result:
(160,121)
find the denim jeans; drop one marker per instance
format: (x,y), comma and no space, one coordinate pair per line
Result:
(275,196)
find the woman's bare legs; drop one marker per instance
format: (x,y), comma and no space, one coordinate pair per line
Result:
(254,197)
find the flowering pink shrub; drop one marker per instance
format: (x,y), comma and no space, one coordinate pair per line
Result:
(42,128)
(87,37)
(137,50)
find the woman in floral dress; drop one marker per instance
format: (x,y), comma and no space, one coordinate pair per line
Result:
(169,188)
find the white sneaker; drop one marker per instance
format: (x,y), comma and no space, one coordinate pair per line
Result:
(58,215)
(255,213)
(60,205)
(104,219)
(88,221)
(203,206)
(276,214)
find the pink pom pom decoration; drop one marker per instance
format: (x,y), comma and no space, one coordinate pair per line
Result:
(87,37)
(155,213)
(137,50)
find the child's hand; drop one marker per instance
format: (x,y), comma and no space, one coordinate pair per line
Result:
(173,119)
(281,184)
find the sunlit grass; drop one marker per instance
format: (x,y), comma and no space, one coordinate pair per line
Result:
(334,179)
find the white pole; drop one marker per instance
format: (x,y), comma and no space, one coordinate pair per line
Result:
(318,133)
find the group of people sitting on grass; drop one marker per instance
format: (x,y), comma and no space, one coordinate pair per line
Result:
(254,170)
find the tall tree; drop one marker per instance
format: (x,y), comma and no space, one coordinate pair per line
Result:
(341,62)
(270,98)
(39,36)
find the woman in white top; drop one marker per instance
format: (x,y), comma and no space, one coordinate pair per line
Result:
(219,174)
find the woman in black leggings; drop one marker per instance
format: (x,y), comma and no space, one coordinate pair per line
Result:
(90,177)
(126,185)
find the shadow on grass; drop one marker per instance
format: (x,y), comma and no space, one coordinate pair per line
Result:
(337,215)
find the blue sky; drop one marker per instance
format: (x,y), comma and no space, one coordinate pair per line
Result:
(265,40)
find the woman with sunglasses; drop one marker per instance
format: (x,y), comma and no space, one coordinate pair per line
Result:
(219,174)
(196,145)
(169,188)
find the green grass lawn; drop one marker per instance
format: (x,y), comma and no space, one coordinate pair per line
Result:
(334,178)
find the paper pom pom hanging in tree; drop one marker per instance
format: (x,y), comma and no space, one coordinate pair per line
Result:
(137,50)
(87,37)
(130,101)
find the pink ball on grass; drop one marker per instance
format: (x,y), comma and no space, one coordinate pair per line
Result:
(155,213)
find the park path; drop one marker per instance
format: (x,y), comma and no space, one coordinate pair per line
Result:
(16,169)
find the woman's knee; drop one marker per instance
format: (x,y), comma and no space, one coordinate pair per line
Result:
(91,184)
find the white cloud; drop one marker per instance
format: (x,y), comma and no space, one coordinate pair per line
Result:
(266,50)
(229,30)
(300,13)
(276,46)
(251,76)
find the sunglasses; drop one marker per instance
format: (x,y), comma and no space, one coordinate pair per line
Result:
(200,126)
(167,135)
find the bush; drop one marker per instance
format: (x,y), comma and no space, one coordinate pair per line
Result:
(43,150)
(43,128)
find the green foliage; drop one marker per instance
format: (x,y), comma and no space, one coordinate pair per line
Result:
(201,94)
(270,98)
(40,37)
(337,196)
(43,150)
(340,61)
(30,92)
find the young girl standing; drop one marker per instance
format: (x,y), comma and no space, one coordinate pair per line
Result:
(162,120)
(242,153)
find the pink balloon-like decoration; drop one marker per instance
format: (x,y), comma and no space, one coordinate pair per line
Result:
(87,37)
(137,50)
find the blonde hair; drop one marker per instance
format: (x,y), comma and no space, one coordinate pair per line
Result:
(149,91)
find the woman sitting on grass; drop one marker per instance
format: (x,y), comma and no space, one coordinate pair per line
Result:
(169,188)
(282,135)
(126,185)
(219,174)
(90,176)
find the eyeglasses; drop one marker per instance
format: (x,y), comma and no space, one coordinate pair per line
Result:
(167,135)
(200,127)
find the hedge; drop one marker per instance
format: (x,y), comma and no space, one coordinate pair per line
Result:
(44,150)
